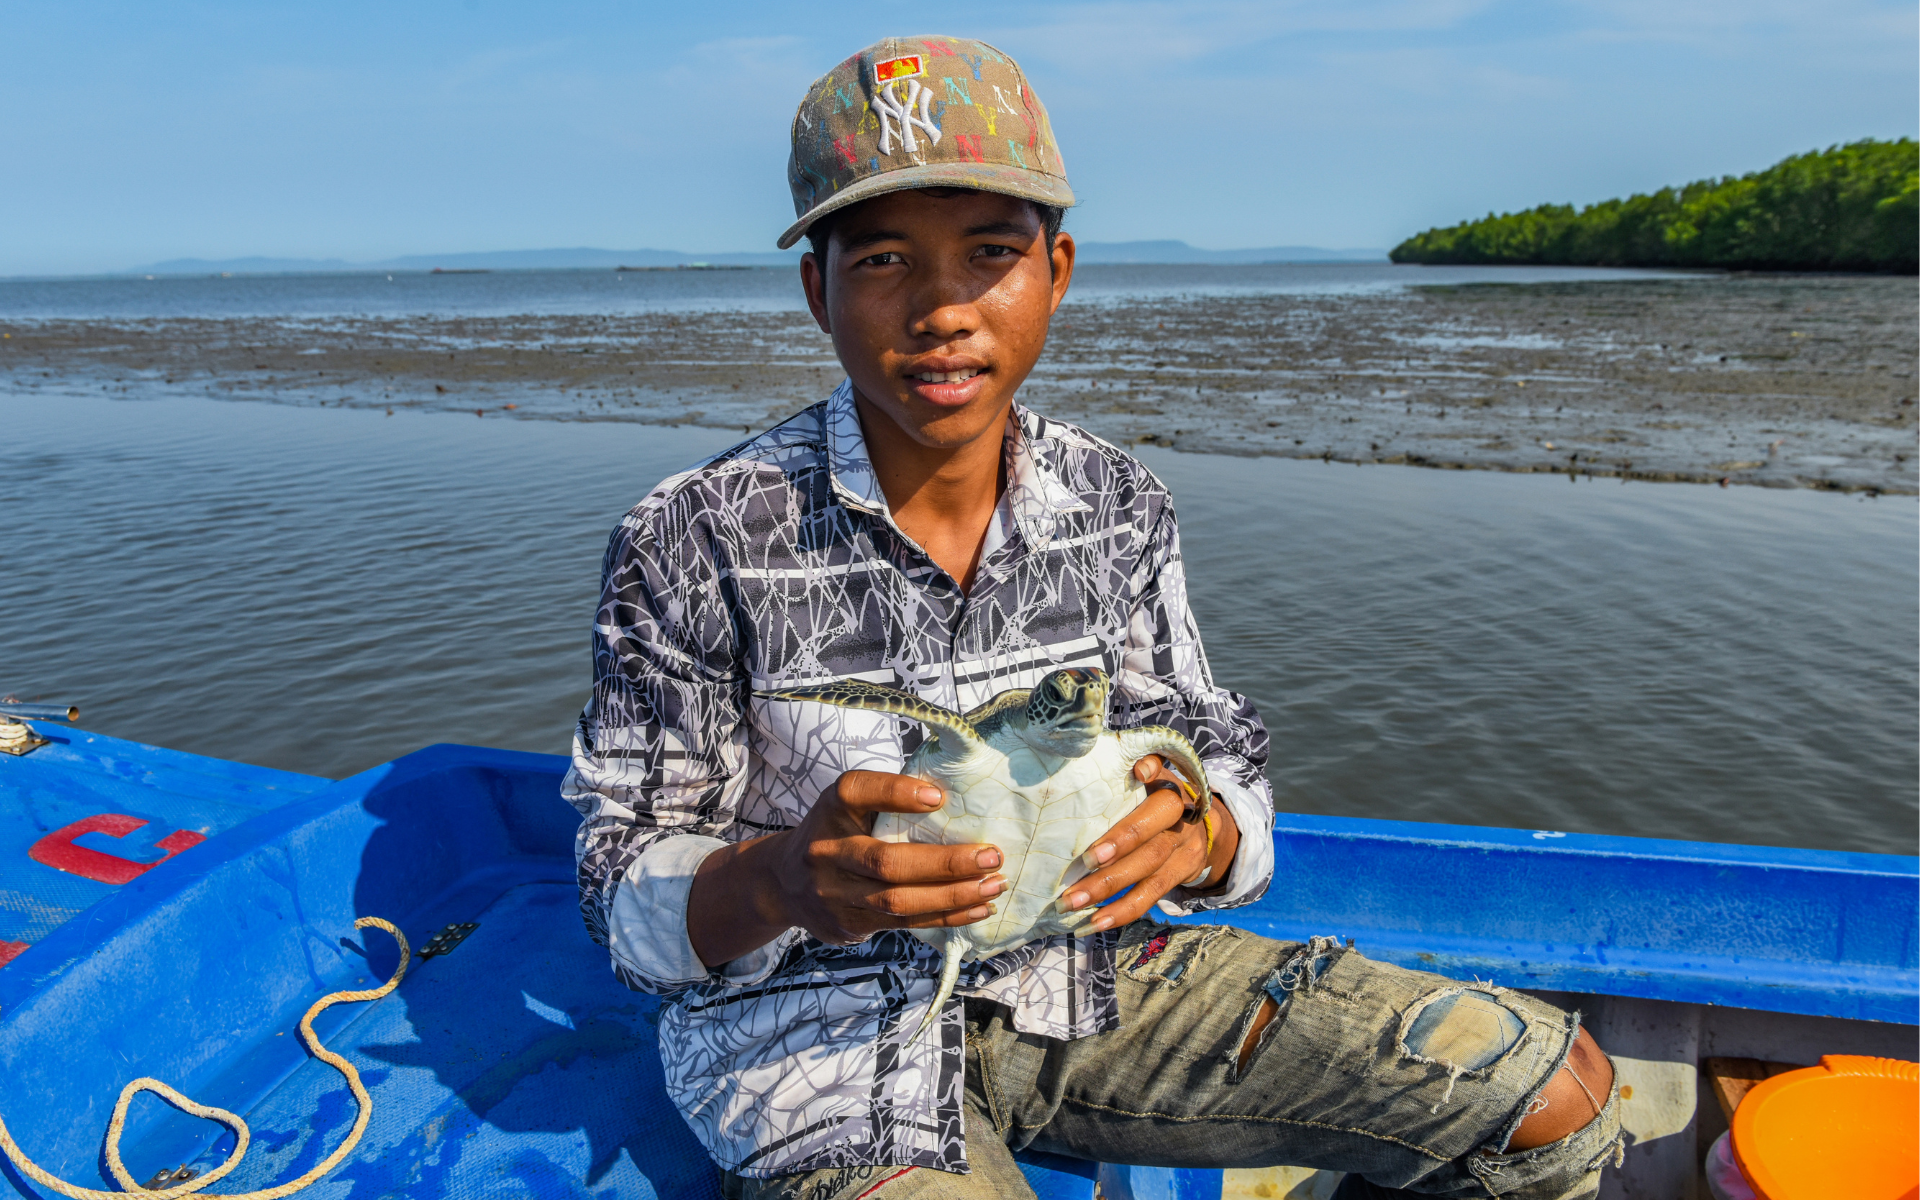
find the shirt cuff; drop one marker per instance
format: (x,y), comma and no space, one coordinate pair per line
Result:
(647,927)
(1252,866)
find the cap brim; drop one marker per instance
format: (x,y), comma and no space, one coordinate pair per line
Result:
(983,177)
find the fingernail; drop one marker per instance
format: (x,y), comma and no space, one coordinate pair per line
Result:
(1078,900)
(988,858)
(1103,853)
(929,796)
(980,912)
(993,887)
(1102,922)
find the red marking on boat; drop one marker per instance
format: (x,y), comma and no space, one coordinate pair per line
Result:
(57,850)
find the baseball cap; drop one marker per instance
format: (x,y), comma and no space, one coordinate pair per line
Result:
(921,112)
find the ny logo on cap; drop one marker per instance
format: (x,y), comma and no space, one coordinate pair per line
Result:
(902,114)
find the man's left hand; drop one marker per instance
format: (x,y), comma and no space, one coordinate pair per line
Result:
(1153,850)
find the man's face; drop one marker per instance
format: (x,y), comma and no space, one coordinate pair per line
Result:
(937,303)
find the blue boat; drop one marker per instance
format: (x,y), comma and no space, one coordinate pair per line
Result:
(173,916)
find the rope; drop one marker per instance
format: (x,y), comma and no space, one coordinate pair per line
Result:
(231,1120)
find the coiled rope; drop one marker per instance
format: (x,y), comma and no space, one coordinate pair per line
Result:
(231,1120)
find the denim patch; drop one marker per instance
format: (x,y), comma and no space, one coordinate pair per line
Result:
(1463,1029)
(1470,1029)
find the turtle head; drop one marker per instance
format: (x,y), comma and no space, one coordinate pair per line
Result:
(1067,711)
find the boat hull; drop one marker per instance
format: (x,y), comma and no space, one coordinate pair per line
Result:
(518,1058)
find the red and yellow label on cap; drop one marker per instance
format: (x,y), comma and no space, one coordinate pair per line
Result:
(896,68)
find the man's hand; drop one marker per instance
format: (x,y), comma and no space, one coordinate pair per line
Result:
(1153,851)
(830,876)
(841,884)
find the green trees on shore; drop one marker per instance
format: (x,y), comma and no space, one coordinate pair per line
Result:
(1848,208)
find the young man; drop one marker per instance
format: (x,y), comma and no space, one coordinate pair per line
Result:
(920,529)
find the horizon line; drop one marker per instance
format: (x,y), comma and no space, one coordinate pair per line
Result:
(1141,251)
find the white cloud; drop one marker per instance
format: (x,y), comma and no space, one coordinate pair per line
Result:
(1725,16)
(489,66)
(1832,31)
(1125,37)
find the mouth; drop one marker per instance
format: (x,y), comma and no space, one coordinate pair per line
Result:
(953,387)
(948,376)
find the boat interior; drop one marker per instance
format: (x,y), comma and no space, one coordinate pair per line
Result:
(510,1062)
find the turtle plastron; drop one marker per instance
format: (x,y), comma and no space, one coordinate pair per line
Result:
(1035,772)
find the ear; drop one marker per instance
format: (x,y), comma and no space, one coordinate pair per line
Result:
(813,280)
(1063,252)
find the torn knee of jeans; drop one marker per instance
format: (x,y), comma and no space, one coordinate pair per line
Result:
(1302,971)
(1255,1031)
(1298,974)
(1463,1029)
(1536,1101)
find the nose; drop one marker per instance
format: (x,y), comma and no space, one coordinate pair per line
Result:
(947,304)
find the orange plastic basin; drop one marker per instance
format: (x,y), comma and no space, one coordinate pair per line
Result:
(1849,1127)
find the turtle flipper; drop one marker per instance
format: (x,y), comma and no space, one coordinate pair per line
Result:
(949,975)
(878,697)
(1173,746)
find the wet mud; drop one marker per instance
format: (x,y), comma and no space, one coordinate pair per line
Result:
(1787,381)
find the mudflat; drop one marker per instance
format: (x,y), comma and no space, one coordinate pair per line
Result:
(1776,380)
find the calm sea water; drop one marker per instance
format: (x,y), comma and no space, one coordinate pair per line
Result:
(324,590)
(603,291)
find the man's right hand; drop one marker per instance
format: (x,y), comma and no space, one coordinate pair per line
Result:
(840,883)
(830,876)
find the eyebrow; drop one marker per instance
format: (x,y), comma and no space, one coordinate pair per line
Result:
(1001,227)
(860,241)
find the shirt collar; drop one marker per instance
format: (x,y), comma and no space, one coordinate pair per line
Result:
(1035,495)
(848,466)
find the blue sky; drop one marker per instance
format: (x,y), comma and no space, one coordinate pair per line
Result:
(137,132)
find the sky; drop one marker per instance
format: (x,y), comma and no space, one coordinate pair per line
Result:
(133,133)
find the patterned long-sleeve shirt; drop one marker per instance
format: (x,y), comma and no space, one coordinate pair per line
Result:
(778,564)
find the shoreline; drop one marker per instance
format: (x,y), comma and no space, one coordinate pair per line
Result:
(1775,381)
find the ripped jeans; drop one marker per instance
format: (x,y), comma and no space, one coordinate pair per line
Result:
(1409,1080)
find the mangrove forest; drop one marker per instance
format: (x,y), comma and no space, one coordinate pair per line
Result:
(1847,208)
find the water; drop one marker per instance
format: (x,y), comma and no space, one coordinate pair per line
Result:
(756,289)
(324,590)
(1657,660)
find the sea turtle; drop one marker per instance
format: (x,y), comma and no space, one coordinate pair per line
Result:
(1035,772)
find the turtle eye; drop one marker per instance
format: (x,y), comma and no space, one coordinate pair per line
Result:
(1062,687)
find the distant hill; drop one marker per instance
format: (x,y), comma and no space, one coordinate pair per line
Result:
(586,257)
(1180,252)
(492,260)
(1847,208)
